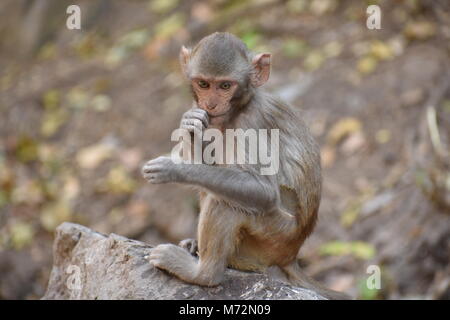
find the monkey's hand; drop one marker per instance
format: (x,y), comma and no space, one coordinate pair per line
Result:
(162,170)
(194,120)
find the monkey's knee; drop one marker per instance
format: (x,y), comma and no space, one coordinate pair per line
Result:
(191,245)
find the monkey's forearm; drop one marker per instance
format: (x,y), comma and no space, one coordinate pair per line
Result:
(239,186)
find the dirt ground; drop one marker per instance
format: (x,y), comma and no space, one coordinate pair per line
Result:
(82,110)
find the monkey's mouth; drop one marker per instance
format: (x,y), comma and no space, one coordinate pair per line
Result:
(218,115)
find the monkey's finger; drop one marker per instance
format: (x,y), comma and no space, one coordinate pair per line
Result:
(152,168)
(202,124)
(149,176)
(199,114)
(192,128)
(193,122)
(156,180)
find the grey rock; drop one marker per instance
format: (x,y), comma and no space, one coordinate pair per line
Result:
(90,265)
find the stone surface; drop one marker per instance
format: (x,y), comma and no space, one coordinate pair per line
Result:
(90,265)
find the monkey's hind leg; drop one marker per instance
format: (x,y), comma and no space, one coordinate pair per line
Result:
(174,260)
(218,229)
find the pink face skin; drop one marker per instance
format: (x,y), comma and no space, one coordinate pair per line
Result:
(214,96)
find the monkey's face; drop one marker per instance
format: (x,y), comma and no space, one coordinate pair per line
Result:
(214,95)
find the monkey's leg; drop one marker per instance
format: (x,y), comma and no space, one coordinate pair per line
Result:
(218,233)
(174,260)
(218,237)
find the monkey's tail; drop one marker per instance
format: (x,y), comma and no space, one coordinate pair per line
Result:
(297,277)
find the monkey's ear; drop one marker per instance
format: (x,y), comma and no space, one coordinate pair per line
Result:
(185,55)
(261,69)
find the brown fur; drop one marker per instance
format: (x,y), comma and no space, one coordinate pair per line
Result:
(247,221)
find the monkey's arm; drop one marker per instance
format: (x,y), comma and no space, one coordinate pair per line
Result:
(249,190)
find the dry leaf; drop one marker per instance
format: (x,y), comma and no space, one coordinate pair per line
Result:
(420,30)
(367,64)
(353,142)
(90,157)
(54,214)
(342,129)
(21,234)
(380,50)
(383,136)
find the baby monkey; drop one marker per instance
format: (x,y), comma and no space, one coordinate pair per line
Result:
(248,221)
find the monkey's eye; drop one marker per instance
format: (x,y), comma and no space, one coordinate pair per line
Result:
(225,85)
(203,84)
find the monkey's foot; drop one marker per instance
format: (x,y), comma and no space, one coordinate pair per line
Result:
(191,245)
(174,260)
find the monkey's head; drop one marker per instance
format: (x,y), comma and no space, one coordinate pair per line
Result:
(223,73)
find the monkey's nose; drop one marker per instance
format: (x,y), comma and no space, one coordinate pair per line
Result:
(211,106)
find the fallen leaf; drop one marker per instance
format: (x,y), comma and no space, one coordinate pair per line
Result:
(53,121)
(359,249)
(90,157)
(314,59)
(53,214)
(367,64)
(320,7)
(332,49)
(163,6)
(383,136)
(71,188)
(101,103)
(51,99)
(118,181)
(28,192)
(397,44)
(77,98)
(420,30)
(47,51)
(21,234)
(342,129)
(26,149)
(380,50)
(353,142)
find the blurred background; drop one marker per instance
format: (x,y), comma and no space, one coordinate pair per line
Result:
(82,110)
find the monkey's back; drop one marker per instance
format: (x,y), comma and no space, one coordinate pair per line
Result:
(299,173)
